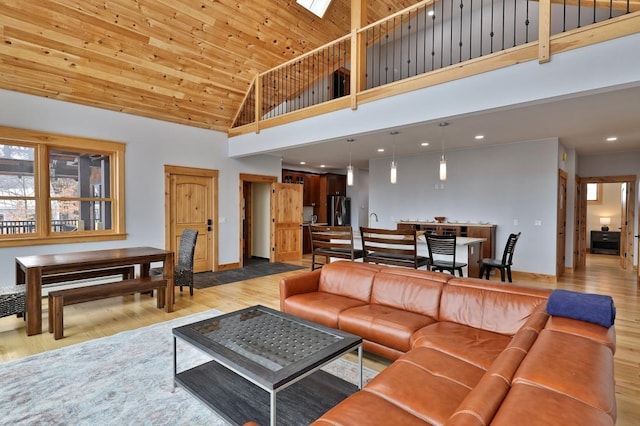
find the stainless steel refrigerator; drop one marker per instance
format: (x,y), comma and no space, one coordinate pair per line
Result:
(338,210)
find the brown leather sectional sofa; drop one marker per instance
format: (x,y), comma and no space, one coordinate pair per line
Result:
(466,351)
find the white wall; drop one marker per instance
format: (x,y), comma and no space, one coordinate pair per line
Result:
(150,145)
(261,212)
(499,184)
(359,194)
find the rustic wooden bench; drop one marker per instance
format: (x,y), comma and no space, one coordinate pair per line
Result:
(58,299)
(127,272)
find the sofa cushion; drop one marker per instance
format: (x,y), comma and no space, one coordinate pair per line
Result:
(323,308)
(385,325)
(492,307)
(475,346)
(543,407)
(411,293)
(367,409)
(426,383)
(553,363)
(381,350)
(348,279)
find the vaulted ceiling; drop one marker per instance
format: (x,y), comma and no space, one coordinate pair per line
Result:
(184,61)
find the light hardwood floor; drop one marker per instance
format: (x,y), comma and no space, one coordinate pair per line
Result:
(103,318)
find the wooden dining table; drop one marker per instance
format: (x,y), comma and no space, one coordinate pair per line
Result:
(32,270)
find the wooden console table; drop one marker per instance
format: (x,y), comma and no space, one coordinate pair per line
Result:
(33,270)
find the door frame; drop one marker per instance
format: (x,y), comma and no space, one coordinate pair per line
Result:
(170,170)
(561,226)
(243,179)
(581,214)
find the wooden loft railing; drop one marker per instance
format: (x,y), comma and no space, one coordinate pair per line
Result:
(426,44)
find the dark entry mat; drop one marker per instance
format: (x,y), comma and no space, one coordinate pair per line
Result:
(253,268)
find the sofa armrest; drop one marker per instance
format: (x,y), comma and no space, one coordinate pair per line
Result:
(306,282)
(597,333)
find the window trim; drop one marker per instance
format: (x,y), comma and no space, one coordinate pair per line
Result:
(598,199)
(43,143)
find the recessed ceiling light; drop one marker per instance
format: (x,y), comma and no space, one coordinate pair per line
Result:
(380,149)
(303,162)
(322,166)
(612,138)
(424,144)
(479,137)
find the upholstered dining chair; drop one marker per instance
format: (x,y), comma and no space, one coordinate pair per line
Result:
(183,271)
(503,264)
(13,300)
(444,245)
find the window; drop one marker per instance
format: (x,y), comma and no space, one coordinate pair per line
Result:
(317,7)
(594,193)
(59,188)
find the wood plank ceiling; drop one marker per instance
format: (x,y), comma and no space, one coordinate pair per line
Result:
(183,61)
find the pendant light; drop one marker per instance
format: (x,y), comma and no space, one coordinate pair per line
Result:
(443,162)
(393,175)
(350,167)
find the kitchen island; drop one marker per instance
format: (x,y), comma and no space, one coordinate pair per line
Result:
(460,229)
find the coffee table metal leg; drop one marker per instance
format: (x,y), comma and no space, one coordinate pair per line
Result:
(273,408)
(360,366)
(175,369)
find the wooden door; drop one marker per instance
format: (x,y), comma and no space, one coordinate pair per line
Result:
(191,204)
(580,237)
(562,223)
(627,214)
(286,222)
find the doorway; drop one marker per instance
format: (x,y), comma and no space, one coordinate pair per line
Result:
(255,216)
(612,206)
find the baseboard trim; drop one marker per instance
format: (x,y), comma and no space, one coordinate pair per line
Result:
(527,276)
(226,266)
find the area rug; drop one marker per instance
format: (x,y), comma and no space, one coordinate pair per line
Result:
(252,269)
(125,379)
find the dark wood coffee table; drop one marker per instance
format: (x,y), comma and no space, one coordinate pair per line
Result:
(263,358)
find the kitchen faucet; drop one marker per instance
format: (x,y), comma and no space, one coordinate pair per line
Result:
(374,215)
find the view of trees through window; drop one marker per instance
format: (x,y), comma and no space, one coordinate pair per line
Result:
(78,190)
(17,189)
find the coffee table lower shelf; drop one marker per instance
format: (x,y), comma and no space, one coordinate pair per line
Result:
(238,400)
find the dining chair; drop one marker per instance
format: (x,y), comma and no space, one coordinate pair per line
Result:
(332,241)
(398,247)
(183,271)
(444,245)
(503,264)
(13,300)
